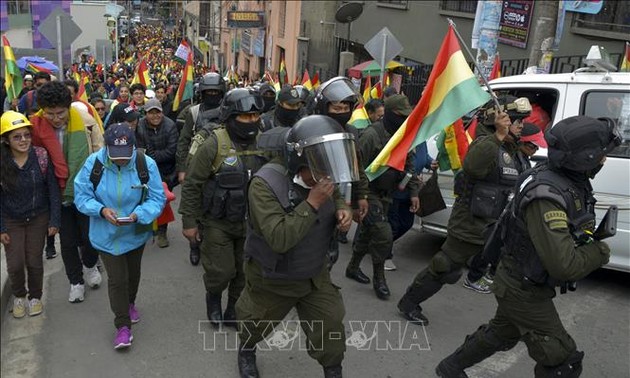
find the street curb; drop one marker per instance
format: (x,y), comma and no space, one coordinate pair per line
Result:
(5,288)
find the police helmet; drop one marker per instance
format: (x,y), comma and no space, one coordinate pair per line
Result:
(240,101)
(303,92)
(337,89)
(12,120)
(212,80)
(266,87)
(320,143)
(516,108)
(580,143)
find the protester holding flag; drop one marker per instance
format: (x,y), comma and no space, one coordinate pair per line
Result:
(482,188)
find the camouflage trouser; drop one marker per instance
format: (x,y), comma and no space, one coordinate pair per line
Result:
(222,261)
(264,303)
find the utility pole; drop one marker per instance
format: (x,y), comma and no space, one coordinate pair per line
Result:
(545,18)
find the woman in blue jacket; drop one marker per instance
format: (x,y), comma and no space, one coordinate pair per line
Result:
(121,210)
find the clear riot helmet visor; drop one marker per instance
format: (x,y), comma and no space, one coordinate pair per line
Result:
(333,156)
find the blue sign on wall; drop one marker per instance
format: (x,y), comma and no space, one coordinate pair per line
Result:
(259,43)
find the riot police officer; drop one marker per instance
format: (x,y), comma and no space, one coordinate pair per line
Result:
(287,110)
(212,89)
(214,194)
(294,210)
(553,206)
(482,188)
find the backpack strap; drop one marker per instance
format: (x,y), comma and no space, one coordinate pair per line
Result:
(224,145)
(194,112)
(141,167)
(96,173)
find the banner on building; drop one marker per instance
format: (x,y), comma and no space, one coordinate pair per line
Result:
(258,47)
(590,7)
(244,19)
(487,17)
(515,20)
(246,42)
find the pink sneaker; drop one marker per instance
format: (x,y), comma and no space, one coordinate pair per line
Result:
(133,313)
(123,338)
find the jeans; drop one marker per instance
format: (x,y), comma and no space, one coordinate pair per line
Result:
(24,255)
(76,249)
(123,279)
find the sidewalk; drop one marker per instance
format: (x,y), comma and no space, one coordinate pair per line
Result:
(5,289)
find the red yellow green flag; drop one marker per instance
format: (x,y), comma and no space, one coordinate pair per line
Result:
(377,91)
(451,91)
(452,145)
(185,89)
(13,77)
(315,80)
(367,89)
(81,94)
(283,73)
(306,81)
(360,118)
(496,68)
(625,62)
(142,75)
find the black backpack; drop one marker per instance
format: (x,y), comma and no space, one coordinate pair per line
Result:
(141,167)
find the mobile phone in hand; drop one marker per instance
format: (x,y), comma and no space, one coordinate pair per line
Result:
(124,220)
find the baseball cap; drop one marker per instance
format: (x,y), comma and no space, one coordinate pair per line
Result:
(398,103)
(531,133)
(124,112)
(153,103)
(120,140)
(289,95)
(28,77)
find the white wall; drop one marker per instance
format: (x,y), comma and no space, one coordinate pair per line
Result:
(20,38)
(89,17)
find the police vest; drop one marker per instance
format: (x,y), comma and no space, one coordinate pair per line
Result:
(546,184)
(307,258)
(487,197)
(225,193)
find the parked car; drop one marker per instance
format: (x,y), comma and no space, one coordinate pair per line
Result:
(591,91)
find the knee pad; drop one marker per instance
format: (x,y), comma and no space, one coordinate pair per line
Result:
(444,269)
(570,368)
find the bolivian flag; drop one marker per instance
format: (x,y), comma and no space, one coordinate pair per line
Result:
(625,61)
(13,76)
(359,118)
(142,75)
(185,89)
(452,145)
(452,91)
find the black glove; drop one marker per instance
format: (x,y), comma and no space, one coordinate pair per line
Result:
(333,251)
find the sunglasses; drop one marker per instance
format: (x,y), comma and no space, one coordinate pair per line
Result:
(21,137)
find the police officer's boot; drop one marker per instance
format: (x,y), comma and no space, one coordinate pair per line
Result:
(213,307)
(380,285)
(247,363)
(194,253)
(332,371)
(409,306)
(476,348)
(570,368)
(229,316)
(354,271)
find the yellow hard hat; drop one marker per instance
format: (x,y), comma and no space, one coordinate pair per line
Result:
(12,120)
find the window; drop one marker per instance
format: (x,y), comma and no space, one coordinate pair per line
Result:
(614,17)
(615,105)
(400,4)
(283,18)
(464,6)
(18,6)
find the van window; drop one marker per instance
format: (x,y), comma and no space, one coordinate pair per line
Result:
(614,105)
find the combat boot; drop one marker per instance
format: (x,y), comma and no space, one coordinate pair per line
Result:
(476,348)
(213,307)
(247,363)
(332,371)
(354,272)
(380,285)
(195,254)
(409,306)
(229,316)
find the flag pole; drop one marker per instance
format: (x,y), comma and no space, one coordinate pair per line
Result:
(483,78)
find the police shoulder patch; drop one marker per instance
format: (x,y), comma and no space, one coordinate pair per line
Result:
(556,219)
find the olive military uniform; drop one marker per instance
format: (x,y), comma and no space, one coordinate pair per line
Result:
(293,270)
(486,156)
(222,239)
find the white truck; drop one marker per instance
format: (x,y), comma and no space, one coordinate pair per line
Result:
(591,91)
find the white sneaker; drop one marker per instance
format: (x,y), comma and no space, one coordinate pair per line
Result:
(19,307)
(93,277)
(35,307)
(76,293)
(389,265)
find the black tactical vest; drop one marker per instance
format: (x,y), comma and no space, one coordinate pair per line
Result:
(225,193)
(546,184)
(487,197)
(304,261)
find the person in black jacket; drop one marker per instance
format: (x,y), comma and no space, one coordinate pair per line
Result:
(157,135)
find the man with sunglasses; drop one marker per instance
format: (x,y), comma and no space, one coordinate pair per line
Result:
(214,194)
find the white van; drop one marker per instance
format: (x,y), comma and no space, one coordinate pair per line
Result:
(588,91)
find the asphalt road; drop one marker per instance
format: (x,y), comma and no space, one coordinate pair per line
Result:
(173,340)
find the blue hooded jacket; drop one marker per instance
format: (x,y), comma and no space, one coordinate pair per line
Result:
(119,189)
